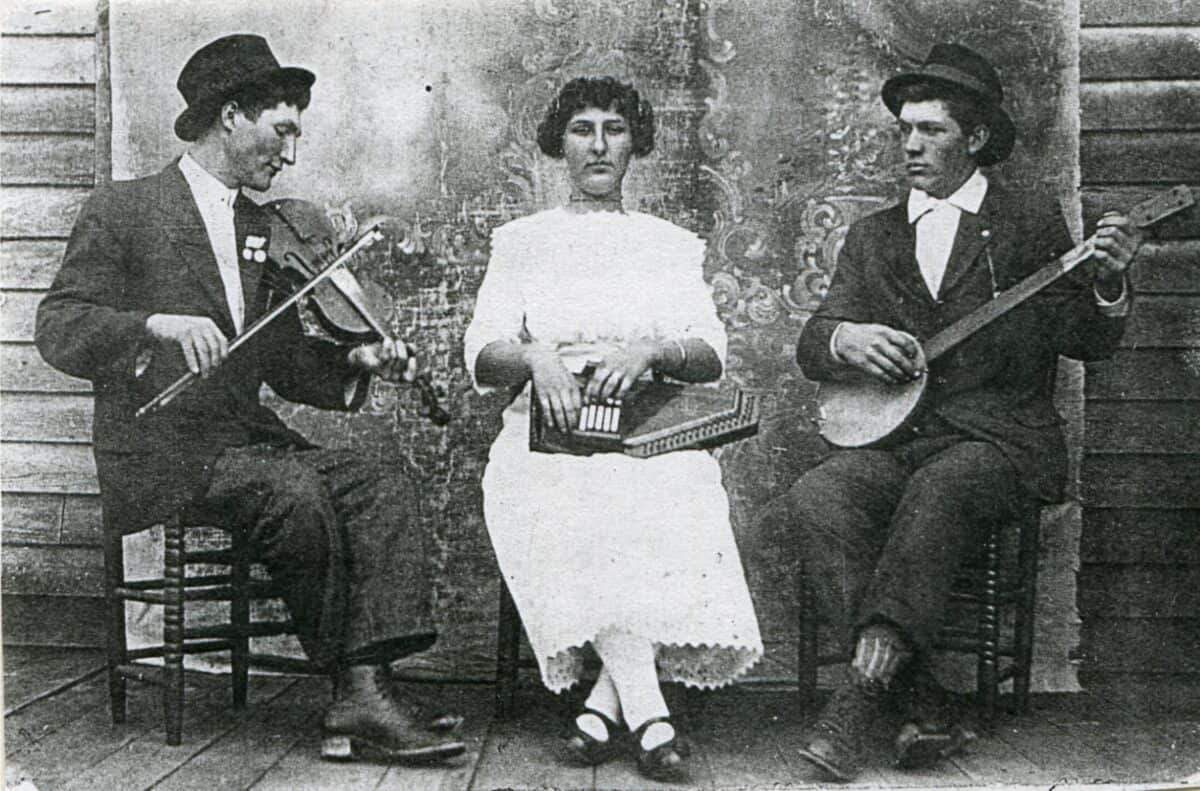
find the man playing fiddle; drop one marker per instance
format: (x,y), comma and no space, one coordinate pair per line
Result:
(167,269)
(884,529)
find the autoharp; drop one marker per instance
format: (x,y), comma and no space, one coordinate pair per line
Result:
(653,418)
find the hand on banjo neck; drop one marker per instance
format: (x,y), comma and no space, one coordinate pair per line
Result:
(886,378)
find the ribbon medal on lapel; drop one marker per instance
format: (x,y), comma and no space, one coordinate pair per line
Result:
(255,249)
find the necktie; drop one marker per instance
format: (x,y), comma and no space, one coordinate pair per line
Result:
(231,276)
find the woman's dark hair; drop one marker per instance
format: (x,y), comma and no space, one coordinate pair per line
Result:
(602,92)
(966,110)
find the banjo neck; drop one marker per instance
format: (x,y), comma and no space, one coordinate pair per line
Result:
(985,314)
(1144,214)
(862,410)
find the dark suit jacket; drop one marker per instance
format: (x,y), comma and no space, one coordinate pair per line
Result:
(998,385)
(138,248)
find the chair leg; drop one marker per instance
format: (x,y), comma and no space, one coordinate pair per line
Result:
(806,634)
(115,647)
(173,614)
(987,680)
(508,644)
(1025,617)
(239,616)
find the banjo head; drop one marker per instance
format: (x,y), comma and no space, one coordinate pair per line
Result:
(854,413)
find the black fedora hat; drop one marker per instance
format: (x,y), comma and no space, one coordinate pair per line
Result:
(966,70)
(218,69)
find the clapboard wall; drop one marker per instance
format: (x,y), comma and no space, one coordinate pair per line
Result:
(1139,580)
(53,146)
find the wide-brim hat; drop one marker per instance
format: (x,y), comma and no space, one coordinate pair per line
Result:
(218,69)
(969,71)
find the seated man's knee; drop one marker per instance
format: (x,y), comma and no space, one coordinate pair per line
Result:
(842,486)
(970,475)
(295,522)
(297,487)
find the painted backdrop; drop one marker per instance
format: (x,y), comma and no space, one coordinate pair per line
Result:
(772,140)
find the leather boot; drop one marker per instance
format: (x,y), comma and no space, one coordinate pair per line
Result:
(835,742)
(442,722)
(933,728)
(365,717)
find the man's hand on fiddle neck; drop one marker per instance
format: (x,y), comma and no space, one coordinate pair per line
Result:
(392,360)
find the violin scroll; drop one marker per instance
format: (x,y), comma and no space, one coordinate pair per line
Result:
(429,399)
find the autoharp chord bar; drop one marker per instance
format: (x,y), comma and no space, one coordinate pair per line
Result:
(605,418)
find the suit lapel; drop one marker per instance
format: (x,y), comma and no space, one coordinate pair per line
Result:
(185,229)
(975,232)
(249,221)
(902,245)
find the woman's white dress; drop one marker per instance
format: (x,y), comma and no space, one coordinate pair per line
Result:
(593,542)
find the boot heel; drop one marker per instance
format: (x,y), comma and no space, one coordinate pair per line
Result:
(336,748)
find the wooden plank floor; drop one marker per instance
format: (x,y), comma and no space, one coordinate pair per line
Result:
(58,734)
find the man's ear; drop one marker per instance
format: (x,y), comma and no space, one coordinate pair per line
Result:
(978,139)
(229,113)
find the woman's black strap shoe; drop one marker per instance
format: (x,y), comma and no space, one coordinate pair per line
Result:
(665,761)
(585,748)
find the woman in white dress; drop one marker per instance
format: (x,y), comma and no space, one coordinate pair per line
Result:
(632,556)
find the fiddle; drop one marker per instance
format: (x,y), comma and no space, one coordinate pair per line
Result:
(303,241)
(304,250)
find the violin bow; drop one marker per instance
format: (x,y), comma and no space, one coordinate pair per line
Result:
(372,235)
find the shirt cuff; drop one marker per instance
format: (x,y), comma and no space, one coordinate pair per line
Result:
(1117,308)
(833,343)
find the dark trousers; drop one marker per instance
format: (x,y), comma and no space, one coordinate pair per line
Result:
(883,532)
(341,538)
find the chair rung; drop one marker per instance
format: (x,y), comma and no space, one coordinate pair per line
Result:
(188,582)
(254,590)
(215,557)
(257,629)
(974,597)
(144,653)
(257,589)
(203,647)
(284,664)
(147,596)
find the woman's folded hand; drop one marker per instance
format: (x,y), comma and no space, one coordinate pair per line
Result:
(556,388)
(620,369)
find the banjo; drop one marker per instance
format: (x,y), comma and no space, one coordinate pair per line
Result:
(861,410)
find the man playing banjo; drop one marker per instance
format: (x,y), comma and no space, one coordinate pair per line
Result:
(884,529)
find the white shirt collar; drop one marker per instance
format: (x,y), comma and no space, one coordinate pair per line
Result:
(206,187)
(968,197)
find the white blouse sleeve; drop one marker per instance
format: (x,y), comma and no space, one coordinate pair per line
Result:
(500,304)
(695,312)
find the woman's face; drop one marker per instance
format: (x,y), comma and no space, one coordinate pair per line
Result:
(596,145)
